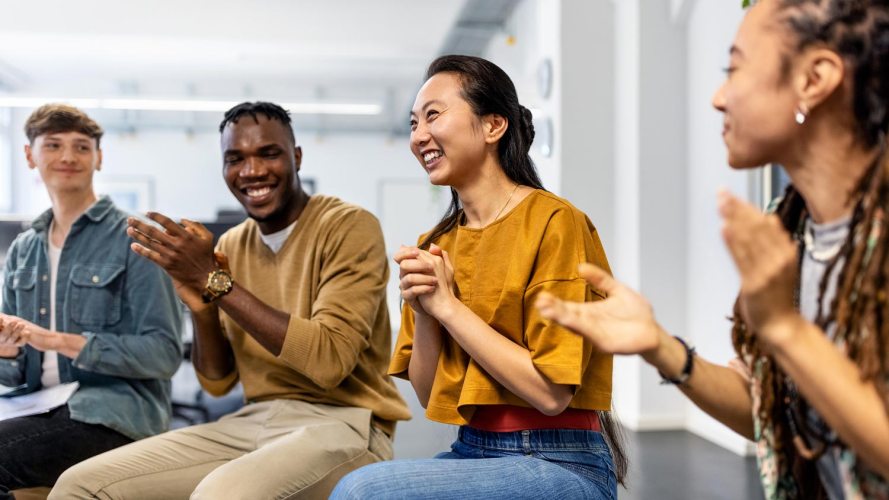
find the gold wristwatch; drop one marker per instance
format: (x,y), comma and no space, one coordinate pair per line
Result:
(219,283)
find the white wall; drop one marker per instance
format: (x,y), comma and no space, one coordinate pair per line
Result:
(662,170)
(532,35)
(712,282)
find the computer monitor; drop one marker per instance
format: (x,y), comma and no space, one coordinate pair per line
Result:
(9,229)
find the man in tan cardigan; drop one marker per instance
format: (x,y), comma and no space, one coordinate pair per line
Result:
(293,305)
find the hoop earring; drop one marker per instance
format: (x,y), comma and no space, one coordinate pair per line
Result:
(800,115)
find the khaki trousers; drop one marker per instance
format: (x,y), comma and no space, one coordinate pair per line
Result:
(270,450)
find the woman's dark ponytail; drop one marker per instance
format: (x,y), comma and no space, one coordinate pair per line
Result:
(526,127)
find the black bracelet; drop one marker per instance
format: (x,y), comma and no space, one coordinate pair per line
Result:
(686,370)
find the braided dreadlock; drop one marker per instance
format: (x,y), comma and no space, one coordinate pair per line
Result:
(858,30)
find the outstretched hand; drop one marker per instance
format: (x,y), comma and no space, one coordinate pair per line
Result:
(623,323)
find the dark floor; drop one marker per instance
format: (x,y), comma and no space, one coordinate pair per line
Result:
(668,465)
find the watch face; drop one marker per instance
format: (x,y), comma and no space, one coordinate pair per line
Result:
(219,282)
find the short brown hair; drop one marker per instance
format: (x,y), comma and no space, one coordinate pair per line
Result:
(55,118)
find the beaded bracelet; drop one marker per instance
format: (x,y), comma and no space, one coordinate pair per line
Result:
(686,370)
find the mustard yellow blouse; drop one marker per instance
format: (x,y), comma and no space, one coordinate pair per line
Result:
(499,272)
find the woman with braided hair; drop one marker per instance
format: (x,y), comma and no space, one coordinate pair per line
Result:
(811,323)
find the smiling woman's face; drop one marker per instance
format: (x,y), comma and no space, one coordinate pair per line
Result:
(757,99)
(446,134)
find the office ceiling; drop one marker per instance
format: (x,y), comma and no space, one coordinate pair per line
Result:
(288,50)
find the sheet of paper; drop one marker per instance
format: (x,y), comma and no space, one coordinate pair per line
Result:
(6,390)
(38,402)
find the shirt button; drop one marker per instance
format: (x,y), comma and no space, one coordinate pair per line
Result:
(43,311)
(44,277)
(95,279)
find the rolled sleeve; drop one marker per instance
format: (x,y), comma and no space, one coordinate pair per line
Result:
(558,353)
(570,239)
(218,387)
(326,346)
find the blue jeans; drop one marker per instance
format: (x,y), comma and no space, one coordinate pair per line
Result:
(493,465)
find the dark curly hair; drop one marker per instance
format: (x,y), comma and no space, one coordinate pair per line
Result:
(253,109)
(858,31)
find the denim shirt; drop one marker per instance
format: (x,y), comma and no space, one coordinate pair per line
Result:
(123,304)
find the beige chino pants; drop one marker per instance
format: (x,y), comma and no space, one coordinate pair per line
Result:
(271,450)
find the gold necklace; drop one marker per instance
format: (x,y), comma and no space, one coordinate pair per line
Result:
(504,206)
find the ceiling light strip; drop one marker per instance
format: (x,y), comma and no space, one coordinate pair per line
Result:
(303,108)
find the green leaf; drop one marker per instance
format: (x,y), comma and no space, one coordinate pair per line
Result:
(745,4)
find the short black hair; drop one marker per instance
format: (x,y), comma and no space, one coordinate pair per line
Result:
(253,109)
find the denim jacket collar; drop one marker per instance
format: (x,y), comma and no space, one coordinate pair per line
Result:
(96,212)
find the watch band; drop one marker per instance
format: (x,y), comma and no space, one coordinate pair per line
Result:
(208,296)
(686,369)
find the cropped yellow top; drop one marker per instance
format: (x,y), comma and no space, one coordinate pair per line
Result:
(499,272)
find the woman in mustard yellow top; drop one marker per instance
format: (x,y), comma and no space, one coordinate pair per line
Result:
(532,398)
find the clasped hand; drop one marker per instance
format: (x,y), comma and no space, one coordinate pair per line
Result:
(426,280)
(15,332)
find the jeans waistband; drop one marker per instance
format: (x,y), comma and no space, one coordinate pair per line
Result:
(534,440)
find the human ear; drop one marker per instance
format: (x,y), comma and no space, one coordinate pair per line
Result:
(297,157)
(818,74)
(494,127)
(29,157)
